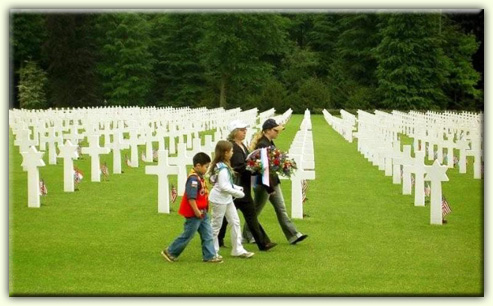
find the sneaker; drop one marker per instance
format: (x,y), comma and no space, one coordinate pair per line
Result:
(168,256)
(246,255)
(215,259)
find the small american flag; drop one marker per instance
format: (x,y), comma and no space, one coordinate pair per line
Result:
(304,188)
(143,157)
(427,190)
(104,171)
(413,180)
(42,188)
(77,177)
(127,161)
(445,207)
(456,161)
(173,194)
(154,155)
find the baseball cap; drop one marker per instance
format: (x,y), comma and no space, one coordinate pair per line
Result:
(237,124)
(272,124)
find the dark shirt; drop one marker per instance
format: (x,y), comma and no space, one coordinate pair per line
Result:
(274,180)
(244,177)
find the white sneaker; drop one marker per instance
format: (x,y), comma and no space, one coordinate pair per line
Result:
(246,255)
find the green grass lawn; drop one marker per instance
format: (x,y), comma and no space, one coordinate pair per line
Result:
(365,237)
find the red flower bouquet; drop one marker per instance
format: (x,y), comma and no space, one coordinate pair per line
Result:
(279,162)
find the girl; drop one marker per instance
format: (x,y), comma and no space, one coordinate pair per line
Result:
(221,198)
(237,135)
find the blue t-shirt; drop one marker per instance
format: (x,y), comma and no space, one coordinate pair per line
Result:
(192,187)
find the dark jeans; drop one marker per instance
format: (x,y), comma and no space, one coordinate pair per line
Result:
(250,216)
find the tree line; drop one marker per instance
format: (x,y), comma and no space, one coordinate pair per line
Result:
(403,61)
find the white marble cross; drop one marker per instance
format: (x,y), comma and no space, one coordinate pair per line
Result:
(51,139)
(134,142)
(436,174)
(23,140)
(397,162)
(116,146)
(162,170)
(31,160)
(148,138)
(450,145)
(181,161)
(209,146)
(74,135)
(463,146)
(476,152)
(68,152)
(418,168)
(94,150)
(407,161)
(296,187)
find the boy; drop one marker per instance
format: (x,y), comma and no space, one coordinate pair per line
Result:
(194,207)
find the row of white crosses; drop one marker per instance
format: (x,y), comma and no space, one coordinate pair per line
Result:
(448,131)
(378,141)
(301,151)
(33,129)
(344,126)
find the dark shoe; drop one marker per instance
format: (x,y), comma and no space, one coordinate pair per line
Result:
(299,239)
(221,244)
(269,246)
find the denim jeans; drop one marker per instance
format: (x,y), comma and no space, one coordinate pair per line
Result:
(192,225)
(277,201)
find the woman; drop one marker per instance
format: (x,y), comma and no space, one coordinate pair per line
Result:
(273,192)
(237,135)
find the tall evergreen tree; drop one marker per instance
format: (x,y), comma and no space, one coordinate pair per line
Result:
(411,69)
(355,61)
(462,81)
(32,86)
(125,62)
(27,34)
(71,54)
(179,76)
(235,46)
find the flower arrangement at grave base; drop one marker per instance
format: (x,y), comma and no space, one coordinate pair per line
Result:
(279,162)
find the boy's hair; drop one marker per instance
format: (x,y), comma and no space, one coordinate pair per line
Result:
(201,158)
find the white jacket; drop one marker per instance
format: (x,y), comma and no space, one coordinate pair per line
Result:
(223,190)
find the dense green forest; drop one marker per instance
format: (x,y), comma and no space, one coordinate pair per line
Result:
(398,60)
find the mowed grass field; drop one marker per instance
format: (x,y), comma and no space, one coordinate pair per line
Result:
(365,237)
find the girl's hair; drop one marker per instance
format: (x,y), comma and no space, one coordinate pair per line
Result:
(255,140)
(222,147)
